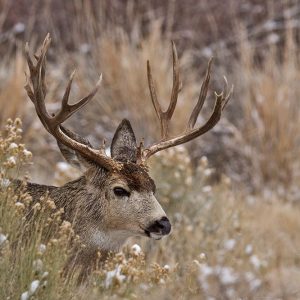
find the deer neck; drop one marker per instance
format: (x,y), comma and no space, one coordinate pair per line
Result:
(74,197)
(108,240)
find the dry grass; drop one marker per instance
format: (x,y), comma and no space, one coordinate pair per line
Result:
(271,111)
(12,93)
(226,243)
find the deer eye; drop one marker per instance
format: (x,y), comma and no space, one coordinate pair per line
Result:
(120,192)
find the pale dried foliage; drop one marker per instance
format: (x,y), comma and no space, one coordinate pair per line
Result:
(225,243)
(271,120)
(12,93)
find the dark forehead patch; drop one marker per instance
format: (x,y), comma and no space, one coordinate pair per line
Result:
(137,178)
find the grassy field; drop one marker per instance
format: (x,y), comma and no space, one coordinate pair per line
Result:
(232,195)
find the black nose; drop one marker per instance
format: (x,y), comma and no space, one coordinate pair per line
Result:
(162,226)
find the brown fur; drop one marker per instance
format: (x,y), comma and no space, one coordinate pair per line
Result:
(90,206)
(137,178)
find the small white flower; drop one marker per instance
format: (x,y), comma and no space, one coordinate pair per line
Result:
(62,166)
(136,249)
(4,183)
(270,25)
(114,275)
(12,160)
(206,270)
(202,256)
(273,38)
(12,146)
(248,249)
(85,48)
(229,244)
(227,275)
(3,238)
(255,284)
(208,172)
(20,204)
(42,248)
(207,52)
(34,286)
(27,153)
(206,189)
(167,267)
(19,27)
(32,289)
(25,296)
(145,287)
(255,261)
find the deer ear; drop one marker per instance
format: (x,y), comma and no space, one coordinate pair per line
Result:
(123,147)
(70,155)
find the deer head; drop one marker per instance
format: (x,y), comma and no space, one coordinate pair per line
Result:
(117,196)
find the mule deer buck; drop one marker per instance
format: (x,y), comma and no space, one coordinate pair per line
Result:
(115,197)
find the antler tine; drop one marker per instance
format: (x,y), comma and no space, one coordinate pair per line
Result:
(68,110)
(221,101)
(65,99)
(228,94)
(201,99)
(37,93)
(165,116)
(37,74)
(191,132)
(152,90)
(176,83)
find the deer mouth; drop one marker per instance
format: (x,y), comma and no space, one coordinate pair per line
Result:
(153,235)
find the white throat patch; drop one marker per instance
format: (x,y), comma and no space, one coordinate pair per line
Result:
(109,240)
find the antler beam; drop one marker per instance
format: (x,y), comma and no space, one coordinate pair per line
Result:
(36,90)
(165,117)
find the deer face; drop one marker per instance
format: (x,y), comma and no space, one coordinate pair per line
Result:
(121,202)
(132,196)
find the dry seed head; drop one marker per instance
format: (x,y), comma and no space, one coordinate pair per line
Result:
(9,122)
(50,204)
(36,207)
(65,229)
(27,154)
(20,206)
(18,122)
(11,162)
(25,198)
(53,242)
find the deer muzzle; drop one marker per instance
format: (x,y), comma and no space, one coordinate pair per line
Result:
(159,228)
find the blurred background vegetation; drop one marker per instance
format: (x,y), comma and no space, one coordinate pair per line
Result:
(233,193)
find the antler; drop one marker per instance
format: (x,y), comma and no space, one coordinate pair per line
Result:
(165,117)
(36,90)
